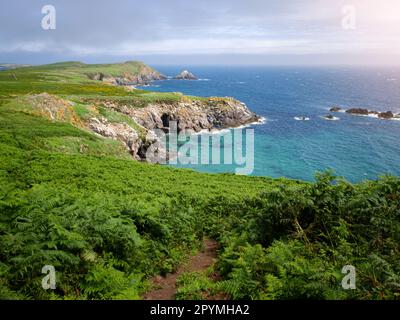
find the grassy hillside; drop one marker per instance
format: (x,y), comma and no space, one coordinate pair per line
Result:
(74,200)
(71,81)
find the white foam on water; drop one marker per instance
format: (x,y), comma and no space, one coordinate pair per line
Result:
(211,132)
(332,119)
(262,120)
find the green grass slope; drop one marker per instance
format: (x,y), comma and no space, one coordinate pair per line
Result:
(70,80)
(106,223)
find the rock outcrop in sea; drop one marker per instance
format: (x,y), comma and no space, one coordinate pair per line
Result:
(358,111)
(386,115)
(366,112)
(330,117)
(185,75)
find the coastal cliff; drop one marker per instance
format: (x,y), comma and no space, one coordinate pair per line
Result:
(100,99)
(134,126)
(190,114)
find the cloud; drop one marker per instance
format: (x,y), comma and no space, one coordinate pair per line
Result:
(177,27)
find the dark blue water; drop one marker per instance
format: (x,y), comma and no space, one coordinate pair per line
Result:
(356,148)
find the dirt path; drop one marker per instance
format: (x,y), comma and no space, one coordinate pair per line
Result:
(166,286)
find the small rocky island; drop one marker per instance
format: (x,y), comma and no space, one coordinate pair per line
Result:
(330,117)
(366,112)
(185,75)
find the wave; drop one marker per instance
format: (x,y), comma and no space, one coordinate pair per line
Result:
(262,120)
(301,118)
(210,132)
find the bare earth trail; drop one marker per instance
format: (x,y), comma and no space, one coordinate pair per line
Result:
(166,286)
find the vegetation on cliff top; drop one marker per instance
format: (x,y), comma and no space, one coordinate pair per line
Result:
(73,200)
(71,80)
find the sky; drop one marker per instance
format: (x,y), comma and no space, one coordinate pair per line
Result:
(230,32)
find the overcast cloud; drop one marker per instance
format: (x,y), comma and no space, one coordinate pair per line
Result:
(201,31)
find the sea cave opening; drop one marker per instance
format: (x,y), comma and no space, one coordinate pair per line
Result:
(165,120)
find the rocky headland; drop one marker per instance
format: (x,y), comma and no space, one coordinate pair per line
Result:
(194,115)
(132,116)
(143,76)
(137,132)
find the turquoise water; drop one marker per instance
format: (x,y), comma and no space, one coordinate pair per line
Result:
(354,147)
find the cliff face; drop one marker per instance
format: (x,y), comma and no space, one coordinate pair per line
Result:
(144,76)
(117,131)
(192,114)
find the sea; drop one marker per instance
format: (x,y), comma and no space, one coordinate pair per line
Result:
(353,147)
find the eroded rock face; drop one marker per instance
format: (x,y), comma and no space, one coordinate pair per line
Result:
(117,131)
(137,146)
(194,115)
(185,75)
(139,79)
